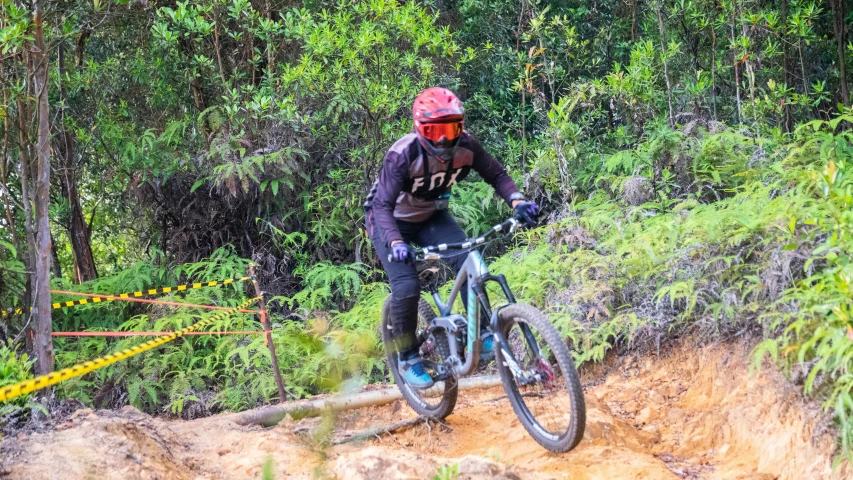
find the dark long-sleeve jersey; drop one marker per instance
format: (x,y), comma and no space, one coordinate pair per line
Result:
(410,181)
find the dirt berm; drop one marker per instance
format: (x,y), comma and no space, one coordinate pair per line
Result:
(693,413)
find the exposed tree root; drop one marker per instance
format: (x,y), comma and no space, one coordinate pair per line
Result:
(375,432)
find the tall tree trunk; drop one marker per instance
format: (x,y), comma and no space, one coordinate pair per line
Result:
(198,96)
(217,48)
(787,120)
(41,287)
(737,71)
(803,67)
(838,27)
(269,42)
(81,45)
(714,70)
(665,68)
(520,24)
(634,20)
(78,231)
(251,55)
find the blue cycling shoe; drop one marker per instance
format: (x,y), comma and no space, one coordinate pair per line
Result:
(487,350)
(412,368)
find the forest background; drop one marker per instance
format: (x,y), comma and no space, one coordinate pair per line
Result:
(693,158)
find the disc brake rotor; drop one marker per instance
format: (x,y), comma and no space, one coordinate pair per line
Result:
(546,374)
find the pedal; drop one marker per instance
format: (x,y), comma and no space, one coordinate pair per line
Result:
(442,372)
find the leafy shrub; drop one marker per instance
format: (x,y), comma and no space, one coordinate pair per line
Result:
(16,368)
(326,286)
(813,316)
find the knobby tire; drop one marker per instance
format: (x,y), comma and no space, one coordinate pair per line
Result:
(563,439)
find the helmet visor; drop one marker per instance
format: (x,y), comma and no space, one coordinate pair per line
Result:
(436,131)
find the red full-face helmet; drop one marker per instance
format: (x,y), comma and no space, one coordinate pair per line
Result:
(439,118)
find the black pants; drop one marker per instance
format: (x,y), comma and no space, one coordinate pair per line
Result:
(405,286)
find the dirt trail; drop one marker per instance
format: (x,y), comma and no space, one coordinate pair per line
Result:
(694,414)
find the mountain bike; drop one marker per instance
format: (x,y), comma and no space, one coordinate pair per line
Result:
(535,366)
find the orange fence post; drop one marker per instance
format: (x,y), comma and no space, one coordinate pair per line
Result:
(265,321)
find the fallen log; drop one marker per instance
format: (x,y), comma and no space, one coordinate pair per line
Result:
(269,416)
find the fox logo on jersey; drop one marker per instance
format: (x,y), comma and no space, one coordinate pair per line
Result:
(438,180)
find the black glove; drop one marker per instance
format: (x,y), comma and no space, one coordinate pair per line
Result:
(526,213)
(402,252)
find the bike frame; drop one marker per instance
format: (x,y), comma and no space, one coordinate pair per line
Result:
(473,277)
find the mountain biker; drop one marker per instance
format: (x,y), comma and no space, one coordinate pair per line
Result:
(408,204)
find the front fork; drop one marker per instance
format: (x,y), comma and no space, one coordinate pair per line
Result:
(494,325)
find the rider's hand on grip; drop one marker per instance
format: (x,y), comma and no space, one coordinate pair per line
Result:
(526,213)
(402,252)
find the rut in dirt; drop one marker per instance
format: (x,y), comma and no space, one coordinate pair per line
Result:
(691,414)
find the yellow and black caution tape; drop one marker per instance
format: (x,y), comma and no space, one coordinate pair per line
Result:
(153,291)
(44,381)
(141,293)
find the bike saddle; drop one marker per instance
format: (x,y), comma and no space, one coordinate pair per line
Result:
(428,267)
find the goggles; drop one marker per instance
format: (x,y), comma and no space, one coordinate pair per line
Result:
(436,131)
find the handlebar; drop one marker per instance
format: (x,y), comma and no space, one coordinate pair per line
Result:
(431,252)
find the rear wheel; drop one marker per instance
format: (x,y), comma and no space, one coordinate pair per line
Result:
(439,400)
(549,401)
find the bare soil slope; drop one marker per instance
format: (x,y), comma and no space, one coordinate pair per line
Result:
(694,413)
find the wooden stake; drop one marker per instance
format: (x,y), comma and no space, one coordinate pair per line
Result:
(265,321)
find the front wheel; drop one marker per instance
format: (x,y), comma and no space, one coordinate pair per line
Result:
(439,400)
(542,383)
